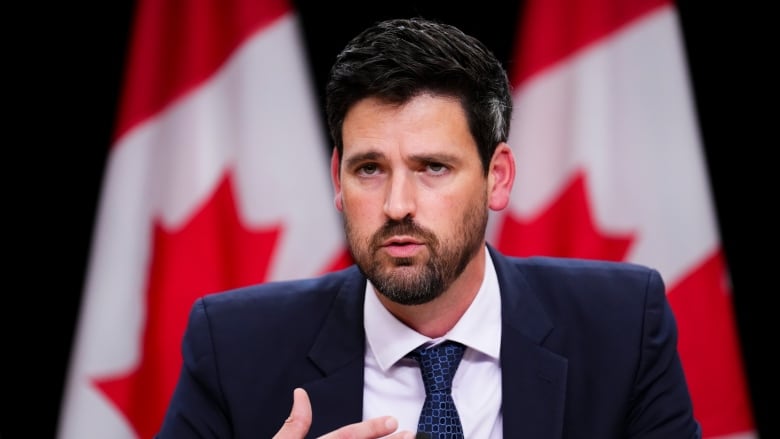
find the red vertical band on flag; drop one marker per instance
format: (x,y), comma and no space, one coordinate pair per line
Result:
(176,45)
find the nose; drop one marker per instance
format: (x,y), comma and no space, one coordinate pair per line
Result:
(400,199)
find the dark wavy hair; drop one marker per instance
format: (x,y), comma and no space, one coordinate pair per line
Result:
(398,59)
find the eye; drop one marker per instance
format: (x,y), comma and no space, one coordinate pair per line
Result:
(436,168)
(367,169)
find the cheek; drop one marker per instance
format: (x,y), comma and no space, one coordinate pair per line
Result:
(439,210)
(445,211)
(362,211)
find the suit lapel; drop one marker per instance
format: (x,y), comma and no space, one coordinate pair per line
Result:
(338,351)
(533,377)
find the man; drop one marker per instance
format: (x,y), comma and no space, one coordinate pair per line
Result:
(554,348)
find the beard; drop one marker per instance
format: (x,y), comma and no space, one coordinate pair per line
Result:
(414,280)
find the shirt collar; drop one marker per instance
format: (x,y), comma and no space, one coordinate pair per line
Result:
(480,327)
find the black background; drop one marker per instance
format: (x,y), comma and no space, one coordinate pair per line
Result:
(64,72)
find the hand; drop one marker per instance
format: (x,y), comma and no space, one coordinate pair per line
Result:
(297,425)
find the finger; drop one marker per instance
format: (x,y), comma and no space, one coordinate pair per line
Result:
(297,424)
(405,435)
(370,429)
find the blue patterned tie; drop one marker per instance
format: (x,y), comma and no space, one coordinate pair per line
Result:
(439,418)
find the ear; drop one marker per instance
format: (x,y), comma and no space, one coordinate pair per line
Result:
(336,179)
(501,177)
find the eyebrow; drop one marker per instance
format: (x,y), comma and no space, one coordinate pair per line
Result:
(362,157)
(418,158)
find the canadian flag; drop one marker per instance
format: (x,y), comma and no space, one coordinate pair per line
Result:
(218,162)
(610,166)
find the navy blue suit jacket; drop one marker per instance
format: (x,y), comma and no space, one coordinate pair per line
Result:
(588,350)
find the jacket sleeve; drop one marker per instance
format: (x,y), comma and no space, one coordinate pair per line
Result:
(197,408)
(661,405)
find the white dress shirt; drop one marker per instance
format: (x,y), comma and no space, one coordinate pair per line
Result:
(394,386)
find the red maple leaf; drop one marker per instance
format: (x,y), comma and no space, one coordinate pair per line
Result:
(564,228)
(211,252)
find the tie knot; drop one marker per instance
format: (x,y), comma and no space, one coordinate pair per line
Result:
(438,365)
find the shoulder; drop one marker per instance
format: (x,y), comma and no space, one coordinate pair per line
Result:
(565,285)
(576,274)
(288,299)
(571,300)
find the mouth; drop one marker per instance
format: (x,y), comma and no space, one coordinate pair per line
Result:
(402,246)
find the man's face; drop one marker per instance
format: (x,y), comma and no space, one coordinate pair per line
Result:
(413,195)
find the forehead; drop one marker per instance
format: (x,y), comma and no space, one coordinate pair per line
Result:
(425,122)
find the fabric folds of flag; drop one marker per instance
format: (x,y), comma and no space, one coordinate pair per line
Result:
(218,161)
(610,166)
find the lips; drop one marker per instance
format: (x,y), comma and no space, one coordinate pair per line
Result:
(400,240)
(402,247)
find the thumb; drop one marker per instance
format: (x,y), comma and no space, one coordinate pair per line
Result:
(297,424)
